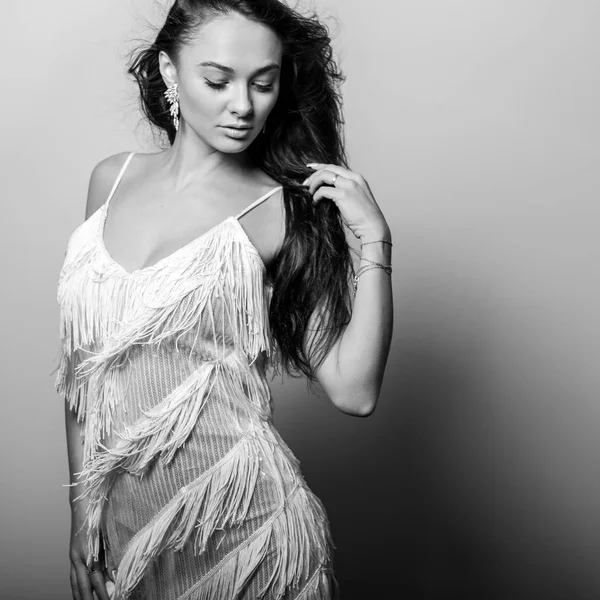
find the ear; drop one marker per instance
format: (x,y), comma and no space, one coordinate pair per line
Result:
(168,70)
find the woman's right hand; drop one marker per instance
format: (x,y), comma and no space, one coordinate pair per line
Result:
(84,583)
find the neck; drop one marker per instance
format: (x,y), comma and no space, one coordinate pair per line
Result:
(190,159)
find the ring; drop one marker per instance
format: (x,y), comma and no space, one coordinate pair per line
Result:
(92,571)
(334,179)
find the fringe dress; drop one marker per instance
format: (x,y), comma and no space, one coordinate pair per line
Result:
(189,488)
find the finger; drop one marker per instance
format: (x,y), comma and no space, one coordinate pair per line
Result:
(99,585)
(326,177)
(74,586)
(319,173)
(328,193)
(84,584)
(318,179)
(347,173)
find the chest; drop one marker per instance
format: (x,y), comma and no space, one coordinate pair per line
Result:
(213,284)
(141,232)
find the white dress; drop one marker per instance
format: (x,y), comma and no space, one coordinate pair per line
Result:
(191,489)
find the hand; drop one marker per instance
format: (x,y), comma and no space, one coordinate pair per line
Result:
(353,196)
(84,583)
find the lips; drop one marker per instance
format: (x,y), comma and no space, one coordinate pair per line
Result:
(237,132)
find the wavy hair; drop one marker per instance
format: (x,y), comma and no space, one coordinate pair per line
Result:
(311,274)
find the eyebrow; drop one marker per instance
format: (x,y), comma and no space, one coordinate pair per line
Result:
(229,70)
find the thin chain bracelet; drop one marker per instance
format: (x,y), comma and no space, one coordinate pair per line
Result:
(375,241)
(375,263)
(387,270)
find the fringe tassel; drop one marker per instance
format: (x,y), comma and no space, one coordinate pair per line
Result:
(72,338)
(248,311)
(163,431)
(322,586)
(289,532)
(103,315)
(244,382)
(68,386)
(220,497)
(300,529)
(168,303)
(89,315)
(232,575)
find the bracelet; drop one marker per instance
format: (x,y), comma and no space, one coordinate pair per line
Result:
(387,270)
(375,263)
(375,241)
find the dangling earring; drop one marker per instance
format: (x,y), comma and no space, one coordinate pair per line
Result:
(264,129)
(172,95)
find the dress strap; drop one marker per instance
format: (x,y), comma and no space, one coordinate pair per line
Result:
(120,176)
(257,202)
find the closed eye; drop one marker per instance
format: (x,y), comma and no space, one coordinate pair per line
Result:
(260,87)
(215,85)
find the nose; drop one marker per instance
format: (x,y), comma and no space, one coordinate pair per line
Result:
(240,103)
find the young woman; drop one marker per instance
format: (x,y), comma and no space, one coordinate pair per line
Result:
(173,308)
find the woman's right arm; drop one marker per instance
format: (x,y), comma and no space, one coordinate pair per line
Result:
(84,584)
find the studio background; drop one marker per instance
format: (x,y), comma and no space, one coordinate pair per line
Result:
(476,123)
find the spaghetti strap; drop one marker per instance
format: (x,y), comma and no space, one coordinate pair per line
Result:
(257,202)
(119,177)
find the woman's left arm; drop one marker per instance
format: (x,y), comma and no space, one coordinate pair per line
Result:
(352,373)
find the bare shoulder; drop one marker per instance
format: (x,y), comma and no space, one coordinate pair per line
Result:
(268,217)
(102,179)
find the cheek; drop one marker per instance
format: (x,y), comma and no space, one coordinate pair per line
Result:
(265,103)
(200,100)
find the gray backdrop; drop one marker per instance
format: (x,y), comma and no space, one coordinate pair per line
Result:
(476,122)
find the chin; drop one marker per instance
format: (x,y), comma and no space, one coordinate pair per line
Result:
(231,146)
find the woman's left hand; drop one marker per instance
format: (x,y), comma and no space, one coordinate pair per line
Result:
(353,196)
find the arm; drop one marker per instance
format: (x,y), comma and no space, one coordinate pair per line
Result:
(98,190)
(74,452)
(84,584)
(352,373)
(81,584)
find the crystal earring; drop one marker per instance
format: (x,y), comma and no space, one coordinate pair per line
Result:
(172,95)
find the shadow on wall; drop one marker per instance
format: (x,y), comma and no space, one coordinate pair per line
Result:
(467,481)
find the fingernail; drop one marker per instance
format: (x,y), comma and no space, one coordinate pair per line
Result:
(311,165)
(304,182)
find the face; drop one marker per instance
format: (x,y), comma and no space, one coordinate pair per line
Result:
(228,79)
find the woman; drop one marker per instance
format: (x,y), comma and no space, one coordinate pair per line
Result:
(172,311)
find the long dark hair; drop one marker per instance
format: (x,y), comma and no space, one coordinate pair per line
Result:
(314,268)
